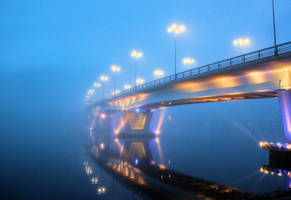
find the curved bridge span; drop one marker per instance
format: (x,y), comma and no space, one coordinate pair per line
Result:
(259,74)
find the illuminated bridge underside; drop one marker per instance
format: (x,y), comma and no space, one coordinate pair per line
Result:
(218,98)
(258,79)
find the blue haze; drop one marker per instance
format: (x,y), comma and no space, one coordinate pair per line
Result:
(51,52)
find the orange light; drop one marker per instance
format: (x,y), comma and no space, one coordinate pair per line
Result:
(256,77)
(162,166)
(226,82)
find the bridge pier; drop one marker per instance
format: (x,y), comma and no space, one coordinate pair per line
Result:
(136,122)
(284,97)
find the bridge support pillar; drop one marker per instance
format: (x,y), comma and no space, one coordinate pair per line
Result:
(138,122)
(284,97)
(135,122)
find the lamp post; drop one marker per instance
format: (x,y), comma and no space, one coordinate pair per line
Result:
(136,55)
(274,29)
(89,95)
(96,85)
(104,79)
(115,69)
(176,29)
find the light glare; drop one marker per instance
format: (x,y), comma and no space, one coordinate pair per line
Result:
(176,29)
(97,85)
(136,54)
(241,42)
(104,78)
(139,81)
(188,61)
(115,68)
(158,73)
(126,86)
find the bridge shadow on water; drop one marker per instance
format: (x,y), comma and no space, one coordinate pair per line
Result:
(129,163)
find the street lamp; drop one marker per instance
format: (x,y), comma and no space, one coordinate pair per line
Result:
(241,42)
(139,81)
(115,92)
(97,85)
(176,29)
(91,91)
(188,61)
(104,78)
(127,86)
(136,55)
(115,69)
(159,73)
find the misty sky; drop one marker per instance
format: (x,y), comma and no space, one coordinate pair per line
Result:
(53,51)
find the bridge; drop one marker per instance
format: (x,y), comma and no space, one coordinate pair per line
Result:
(265,73)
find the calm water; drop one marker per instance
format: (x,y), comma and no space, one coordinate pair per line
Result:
(47,156)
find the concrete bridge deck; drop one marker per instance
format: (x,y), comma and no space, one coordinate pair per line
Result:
(259,74)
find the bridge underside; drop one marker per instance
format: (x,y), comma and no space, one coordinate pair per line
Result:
(215,98)
(262,78)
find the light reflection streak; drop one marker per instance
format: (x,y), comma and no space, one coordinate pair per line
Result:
(244,130)
(258,181)
(160,122)
(122,123)
(247,177)
(121,148)
(159,149)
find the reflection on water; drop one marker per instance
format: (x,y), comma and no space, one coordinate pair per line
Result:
(132,166)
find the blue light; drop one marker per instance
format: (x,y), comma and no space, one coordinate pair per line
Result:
(137,110)
(136,161)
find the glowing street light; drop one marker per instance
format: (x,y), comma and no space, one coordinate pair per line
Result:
(158,73)
(139,81)
(127,86)
(104,78)
(136,55)
(241,42)
(91,91)
(115,92)
(188,61)
(101,190)
(94,180)
(176,29)
(115,68)
(97,85)
(102,116)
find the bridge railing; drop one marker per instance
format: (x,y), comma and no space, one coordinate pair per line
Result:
(210,68)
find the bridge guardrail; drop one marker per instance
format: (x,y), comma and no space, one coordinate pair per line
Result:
(223,64)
